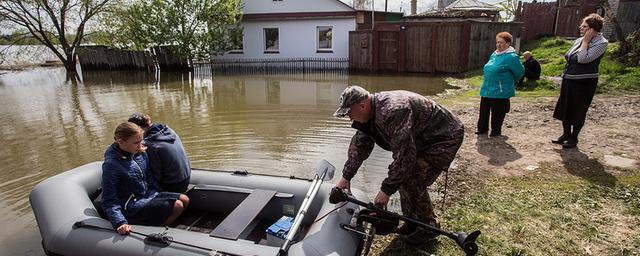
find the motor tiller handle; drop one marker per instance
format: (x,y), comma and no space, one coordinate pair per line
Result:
(466,242)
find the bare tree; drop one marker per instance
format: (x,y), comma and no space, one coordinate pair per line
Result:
(509,8)
(57,24)
(361,4)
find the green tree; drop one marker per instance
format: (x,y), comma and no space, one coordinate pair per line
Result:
(197,28)
(57,24)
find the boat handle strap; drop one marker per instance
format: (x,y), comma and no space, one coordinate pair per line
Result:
(160,239)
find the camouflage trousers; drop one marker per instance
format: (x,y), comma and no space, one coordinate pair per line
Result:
(414,196)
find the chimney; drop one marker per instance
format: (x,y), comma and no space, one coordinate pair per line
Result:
(414,7)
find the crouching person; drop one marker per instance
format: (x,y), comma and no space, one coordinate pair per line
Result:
(129,190)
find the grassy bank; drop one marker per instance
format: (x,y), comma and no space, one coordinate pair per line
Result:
(615,77)
(549,213)
(565,207)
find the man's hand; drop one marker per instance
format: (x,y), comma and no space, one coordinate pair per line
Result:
(344,184)
(124,229)
(381,199)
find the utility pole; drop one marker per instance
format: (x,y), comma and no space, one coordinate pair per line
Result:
(414,7)
(372,13)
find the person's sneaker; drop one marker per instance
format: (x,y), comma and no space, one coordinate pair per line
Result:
(406,229)
(420,236)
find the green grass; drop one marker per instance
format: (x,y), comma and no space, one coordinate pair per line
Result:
(532,89)
(550,53)
(615,77)
(546,214)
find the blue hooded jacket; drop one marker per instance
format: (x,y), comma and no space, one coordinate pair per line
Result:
(127,184)
(501,73)
(167,157)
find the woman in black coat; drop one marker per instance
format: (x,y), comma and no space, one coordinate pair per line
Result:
(579,79)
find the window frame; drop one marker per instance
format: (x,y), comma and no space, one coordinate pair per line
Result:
(264,40)
(324,50)
(241,50)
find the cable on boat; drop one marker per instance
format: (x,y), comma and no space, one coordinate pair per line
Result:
(327,214)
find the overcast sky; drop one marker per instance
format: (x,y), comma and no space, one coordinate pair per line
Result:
(392,6)
(405,5)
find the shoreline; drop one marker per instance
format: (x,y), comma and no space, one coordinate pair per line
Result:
(607,155)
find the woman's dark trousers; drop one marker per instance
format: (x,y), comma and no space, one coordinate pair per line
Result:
(497,109)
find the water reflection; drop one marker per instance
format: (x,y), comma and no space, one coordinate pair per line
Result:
(275,124)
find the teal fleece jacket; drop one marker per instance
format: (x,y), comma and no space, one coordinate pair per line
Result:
(500,74)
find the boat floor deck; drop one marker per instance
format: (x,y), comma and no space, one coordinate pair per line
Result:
(205,222)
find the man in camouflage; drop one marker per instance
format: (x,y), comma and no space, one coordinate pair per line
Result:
(423,137)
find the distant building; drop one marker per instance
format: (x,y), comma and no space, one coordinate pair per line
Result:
(461,10)
(363,18)
(627,13)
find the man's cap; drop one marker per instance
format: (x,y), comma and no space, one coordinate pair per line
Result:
(351,95)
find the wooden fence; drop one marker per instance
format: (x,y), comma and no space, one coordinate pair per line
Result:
(538,19)
(277,66)
(168,59)
(554,18)
(426,47)
(101,57)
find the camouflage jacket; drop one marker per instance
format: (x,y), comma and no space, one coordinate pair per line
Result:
(404,123)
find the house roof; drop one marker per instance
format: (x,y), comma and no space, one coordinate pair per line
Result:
(294,6)
(471,5)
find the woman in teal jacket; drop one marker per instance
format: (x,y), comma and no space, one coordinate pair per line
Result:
(501,73)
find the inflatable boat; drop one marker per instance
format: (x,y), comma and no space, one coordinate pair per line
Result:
(230,213)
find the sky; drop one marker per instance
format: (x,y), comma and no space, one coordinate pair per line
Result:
(392,6)
(405,5)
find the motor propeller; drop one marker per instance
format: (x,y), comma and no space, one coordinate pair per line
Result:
(467,242)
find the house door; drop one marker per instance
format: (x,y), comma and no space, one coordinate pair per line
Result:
(388,51)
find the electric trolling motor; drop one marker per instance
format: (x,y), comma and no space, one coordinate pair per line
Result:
(386,222)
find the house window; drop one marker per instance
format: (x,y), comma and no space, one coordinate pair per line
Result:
(271,40)
(236,39)
(325,38)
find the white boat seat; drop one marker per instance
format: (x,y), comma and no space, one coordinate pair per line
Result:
(243,215)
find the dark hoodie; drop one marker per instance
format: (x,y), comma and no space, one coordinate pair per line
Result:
(167,159)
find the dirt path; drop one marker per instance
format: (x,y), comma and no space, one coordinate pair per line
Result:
(609,142)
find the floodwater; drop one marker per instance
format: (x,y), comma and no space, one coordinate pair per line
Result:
(272,124)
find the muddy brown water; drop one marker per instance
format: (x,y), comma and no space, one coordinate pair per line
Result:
(271,124)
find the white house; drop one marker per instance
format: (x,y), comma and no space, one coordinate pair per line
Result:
(284,29)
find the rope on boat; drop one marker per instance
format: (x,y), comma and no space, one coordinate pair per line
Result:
(159,239)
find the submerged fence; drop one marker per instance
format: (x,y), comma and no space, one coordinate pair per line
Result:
(290,65)
(164,58)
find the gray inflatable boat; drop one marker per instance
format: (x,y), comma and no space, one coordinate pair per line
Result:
(231,213)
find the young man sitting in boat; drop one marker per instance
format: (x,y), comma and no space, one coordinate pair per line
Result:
(168,160)
(130,191)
